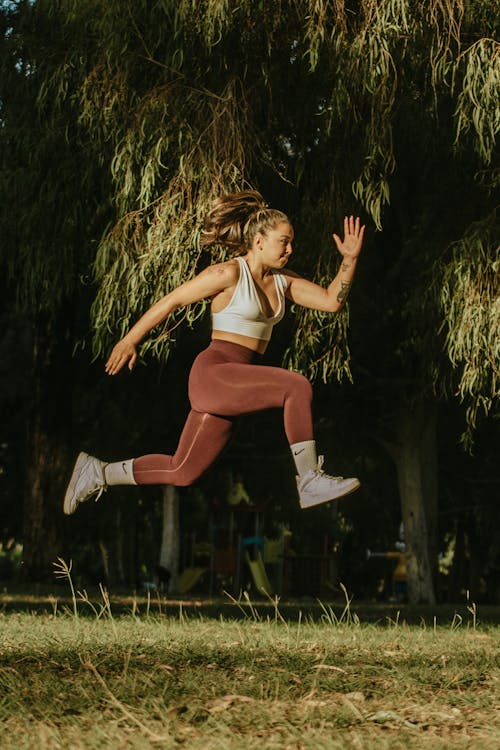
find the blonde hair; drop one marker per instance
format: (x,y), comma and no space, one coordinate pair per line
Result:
(235,219)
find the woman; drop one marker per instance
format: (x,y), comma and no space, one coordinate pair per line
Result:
(227,380)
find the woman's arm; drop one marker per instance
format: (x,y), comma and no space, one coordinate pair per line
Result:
(208,283)
(307,294)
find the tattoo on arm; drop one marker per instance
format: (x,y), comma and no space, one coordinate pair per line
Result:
(345,266)
(344,291)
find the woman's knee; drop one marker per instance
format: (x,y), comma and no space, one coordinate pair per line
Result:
(300,387)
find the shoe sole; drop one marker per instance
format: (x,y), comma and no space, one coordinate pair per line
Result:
(70,492)
(351,489)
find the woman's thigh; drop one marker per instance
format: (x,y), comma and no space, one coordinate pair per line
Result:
(233,388)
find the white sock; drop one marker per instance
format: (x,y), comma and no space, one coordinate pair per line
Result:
(304,455)
(121,472)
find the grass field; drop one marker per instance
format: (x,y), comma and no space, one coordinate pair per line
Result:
(84,677)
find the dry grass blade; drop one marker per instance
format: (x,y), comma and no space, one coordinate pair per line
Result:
(122,708)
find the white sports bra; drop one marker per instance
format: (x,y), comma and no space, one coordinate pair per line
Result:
(243,314)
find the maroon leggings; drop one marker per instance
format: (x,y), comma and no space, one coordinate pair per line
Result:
(224,383)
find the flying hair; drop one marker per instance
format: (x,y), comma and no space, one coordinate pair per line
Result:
(236,218)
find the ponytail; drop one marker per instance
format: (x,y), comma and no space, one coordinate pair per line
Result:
(235,219)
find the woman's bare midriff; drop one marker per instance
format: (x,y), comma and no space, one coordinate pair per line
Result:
(256,345)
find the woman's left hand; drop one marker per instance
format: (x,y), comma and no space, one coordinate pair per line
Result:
(353,238)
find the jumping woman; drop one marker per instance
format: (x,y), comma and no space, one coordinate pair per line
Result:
(227,379)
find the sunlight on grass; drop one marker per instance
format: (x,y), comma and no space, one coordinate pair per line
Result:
(81,677)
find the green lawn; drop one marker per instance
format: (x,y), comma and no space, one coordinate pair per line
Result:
(79,678)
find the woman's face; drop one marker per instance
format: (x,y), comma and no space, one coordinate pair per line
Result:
(275,247)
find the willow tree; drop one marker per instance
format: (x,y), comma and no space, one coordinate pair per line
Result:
(326,107)
(53,201)
(349,103)
(429,301)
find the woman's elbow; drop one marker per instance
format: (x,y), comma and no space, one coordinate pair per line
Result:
(335,306)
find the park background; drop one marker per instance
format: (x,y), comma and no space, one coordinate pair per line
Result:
(120,123)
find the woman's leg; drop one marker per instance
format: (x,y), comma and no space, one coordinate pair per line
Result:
(219,390)
(224,384)
(224,381)
(203,438)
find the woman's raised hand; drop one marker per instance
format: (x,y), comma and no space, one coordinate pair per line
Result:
(124,352)
(353,238)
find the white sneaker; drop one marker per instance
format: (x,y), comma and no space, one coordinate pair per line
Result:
(316,487)
(86,481)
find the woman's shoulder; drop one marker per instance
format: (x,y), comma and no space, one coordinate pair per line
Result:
(227,272)
(286,276)
(289,274)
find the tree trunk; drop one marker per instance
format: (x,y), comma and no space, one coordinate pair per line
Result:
(48,450)
(170,540)
(429,470)
(417,505)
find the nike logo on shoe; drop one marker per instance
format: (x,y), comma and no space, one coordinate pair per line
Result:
(296,453)
(124,467)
